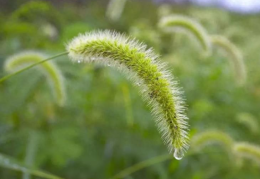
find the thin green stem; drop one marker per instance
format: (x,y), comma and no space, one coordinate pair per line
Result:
(31,150)
(9,163)
(30,66)
(147,163)
(142,165)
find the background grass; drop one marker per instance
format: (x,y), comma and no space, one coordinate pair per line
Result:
(105,127)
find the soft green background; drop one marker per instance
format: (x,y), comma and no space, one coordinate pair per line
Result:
(104,126)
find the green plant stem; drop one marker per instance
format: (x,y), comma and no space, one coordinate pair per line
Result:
(149,162)
(31,151)
(30,66)
(142,165)
(9,163)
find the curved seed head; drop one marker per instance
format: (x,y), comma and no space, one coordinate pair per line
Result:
(177,23)
(50,70)
(236,58)
(249,121)
(211,137)
(246,150)
(142,66)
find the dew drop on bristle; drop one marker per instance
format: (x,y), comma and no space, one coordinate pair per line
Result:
(79,61)
(178,154)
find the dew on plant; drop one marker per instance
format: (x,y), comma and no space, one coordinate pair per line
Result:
(178,154)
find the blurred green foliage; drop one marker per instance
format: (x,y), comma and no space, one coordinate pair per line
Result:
(91,136)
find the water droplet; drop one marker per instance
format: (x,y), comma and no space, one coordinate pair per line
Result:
(79,61)
(178,154)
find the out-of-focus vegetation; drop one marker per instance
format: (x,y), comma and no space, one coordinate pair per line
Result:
(104,126)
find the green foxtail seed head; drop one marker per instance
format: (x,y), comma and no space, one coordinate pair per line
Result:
(141,65)
(115,9)
(246,150)
(178,23)
(249,121)
(211,137)
(236,58)
(50,70)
